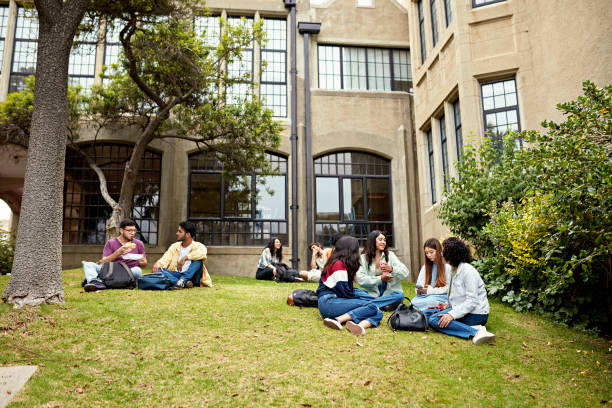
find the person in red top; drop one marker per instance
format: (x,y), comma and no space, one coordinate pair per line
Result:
(339,301)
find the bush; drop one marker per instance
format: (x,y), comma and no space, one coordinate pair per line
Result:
(7,250)
(547,245)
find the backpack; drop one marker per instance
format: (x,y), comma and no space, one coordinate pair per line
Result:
(284,273)
(154,281)
(305,298)
(117,275)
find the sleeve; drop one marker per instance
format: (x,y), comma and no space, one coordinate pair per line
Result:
(364,279)
(421,278)
(400,271)
(443,289)
(197,252)
(167,256)
(470,284)
(108,249)
(266,258)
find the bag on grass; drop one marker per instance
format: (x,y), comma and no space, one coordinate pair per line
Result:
(407,318)
(304,298)
(154,281)
(284,273)
(117,275)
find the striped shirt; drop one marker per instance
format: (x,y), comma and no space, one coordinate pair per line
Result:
(335,280)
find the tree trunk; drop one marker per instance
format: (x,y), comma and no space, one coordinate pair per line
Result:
(36,275)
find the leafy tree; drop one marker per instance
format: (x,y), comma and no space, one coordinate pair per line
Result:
(36,274)
(549,243)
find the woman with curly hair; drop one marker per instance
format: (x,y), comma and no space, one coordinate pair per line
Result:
(467,309)
(339,301)
(432,285)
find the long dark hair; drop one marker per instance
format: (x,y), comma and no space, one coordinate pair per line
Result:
(347,251)
(370,247)
(273,251)
(433,243)
(456,252)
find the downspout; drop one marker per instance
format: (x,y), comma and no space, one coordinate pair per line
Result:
(290,4)
(306,29)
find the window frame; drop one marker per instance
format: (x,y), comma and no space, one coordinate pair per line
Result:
(448,12)
(12,73)
(423,42)
(433,13)
(458,129)
(432,166)
(444,151)
(229,220)
(362,222)
(367,62)
(262,82)
(499,110)
(486,3)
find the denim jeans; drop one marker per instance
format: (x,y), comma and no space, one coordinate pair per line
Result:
(174,276)
(422,302)
(92,269)
(361,307)
(393,298)
(460,327)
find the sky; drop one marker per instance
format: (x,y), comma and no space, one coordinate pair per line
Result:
(5,211)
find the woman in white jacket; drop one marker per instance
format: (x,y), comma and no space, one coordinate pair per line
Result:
(431,285)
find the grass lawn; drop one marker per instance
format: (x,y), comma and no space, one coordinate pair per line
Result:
(238,344)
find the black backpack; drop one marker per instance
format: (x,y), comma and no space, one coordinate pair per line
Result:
(305,298)
(284,273)
(117,275)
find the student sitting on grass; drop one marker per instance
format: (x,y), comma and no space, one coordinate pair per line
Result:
(317,262)
(339,301)
(381,272)
(432,286)
(184,259)
(467,311)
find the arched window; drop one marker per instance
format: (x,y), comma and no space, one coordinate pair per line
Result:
(352,195)
(228,214)
(86,212)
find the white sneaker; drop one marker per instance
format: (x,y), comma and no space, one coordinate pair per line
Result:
(354,328)
(482,337)
(332,323)
(478,327)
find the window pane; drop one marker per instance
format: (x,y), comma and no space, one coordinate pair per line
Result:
(378,200)
(352,194)
(205,195)
(327,198)
(354,68)
(329,67)
(238,198)
(379,70)
(271,205)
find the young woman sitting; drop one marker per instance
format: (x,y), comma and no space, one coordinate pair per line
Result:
(467,310)
(339,301)
(317,262)
(272,253)
(432,286)
(381,272)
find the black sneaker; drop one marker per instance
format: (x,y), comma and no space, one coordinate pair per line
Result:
(94,286)
(189,284)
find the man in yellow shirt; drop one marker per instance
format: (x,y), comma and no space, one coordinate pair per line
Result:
(184,259)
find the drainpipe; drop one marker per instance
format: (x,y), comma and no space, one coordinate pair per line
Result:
(290,4)
(306,29)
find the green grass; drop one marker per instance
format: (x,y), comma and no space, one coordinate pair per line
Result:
(238,344)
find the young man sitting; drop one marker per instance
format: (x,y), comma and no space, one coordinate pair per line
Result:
(114,251)
(184,259)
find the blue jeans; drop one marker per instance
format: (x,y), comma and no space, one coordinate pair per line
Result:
(174,276)
(422,302)
(92,269)
(361,307)
(393,298)
(460,327)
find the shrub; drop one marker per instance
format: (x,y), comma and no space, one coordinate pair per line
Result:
(7,250)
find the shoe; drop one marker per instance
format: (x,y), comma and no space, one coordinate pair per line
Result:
(94,286)
(332,323)
(354,328)
(478,327)
(179,285)
(189,284)
(482,337)
(298,279)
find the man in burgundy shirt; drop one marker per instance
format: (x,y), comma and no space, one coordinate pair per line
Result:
(115,250)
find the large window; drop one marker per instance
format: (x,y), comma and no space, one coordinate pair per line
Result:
(432,169)
(26,47)
(444,150)
(448,12)
(422,31)
(86,212)
(274,75)
(458,134)
(227,213)
(112,47)
(433,10)
(500,108)
(478,3)
(82,66)
(241,69)
(364,68)
(352,195)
